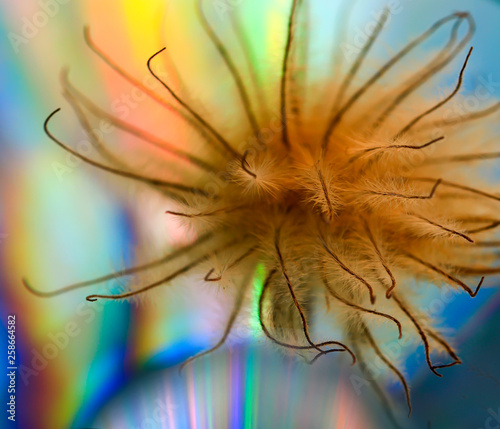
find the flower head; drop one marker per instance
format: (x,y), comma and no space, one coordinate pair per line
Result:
(348,201)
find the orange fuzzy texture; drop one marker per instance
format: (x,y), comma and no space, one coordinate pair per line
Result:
(351,216)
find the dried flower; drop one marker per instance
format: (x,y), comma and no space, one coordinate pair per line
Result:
(349,200)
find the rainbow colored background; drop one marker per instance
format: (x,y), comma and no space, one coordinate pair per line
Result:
(58,226)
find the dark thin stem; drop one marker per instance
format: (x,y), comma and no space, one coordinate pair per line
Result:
(466,118)
(127,272)
(447,347)
(132,130)
(360,308)
(102,149)
(240,297)
(420,331)
(298,306)
(359,61)
(451,231)
(134,82)
(90,43)
(378,75)
(465,158)
(459,186)
(396,146)
(347,270)
(249,58)
(411,197)
(436,65)
(245,166)
(381,259)
(390,365)
(183,270)
(416,120)
(245,99)
(268,334)
(326,193)
(186,106)
(326,352)
(166,279)
(446,275)
(129,175)
(284,73)
(292,292)
(207,277)
(232,265)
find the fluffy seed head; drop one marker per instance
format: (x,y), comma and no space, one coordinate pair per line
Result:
(349,201)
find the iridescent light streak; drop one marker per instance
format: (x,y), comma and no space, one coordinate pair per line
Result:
(271,391)
(192,403)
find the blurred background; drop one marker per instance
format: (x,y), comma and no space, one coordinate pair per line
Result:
(115,364)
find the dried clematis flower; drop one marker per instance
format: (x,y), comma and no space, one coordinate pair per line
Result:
(349,200)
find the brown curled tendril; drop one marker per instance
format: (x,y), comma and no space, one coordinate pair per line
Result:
(292,292)
(100,146)
(420,331)
(126,174)
(447,347)
(284,74)
(231,66)
(240,297)
(466,118)
(127,272)
(137,84)
(416,120)
(369,233)
(224,210)
(186,268)
(410,197)
(245,166)
(326,193)
(395,146)
(129,78)
(296,302)
(245,255)
(360,308)
(377,76)
(360,58)
(449,230)
(435,66)
(396,371)
(447,275)
(449,184)
(268,334)
(132,130)
(186,106)
(348,270)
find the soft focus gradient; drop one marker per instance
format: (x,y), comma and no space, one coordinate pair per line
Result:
(114,365)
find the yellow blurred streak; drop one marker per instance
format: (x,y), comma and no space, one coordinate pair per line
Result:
(144,24)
